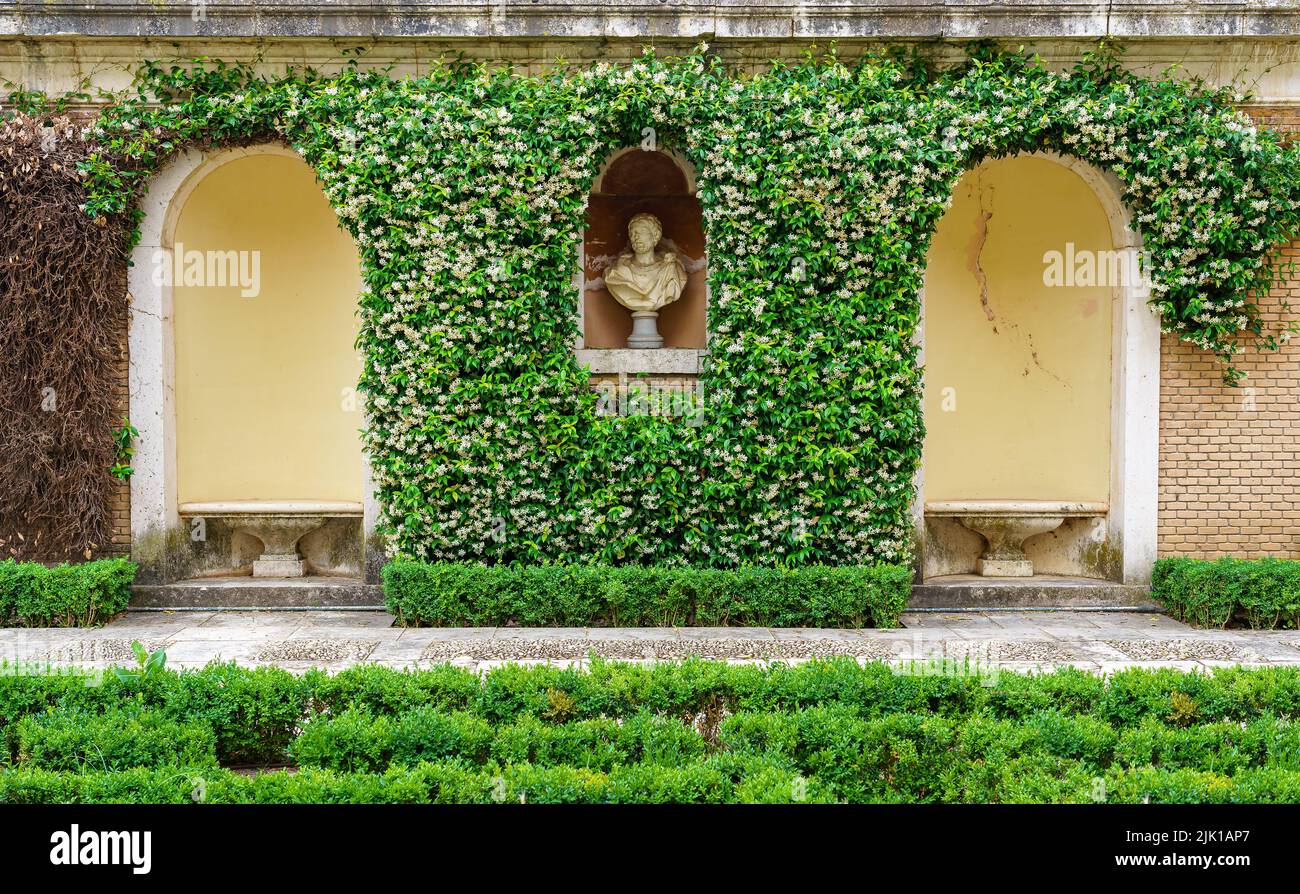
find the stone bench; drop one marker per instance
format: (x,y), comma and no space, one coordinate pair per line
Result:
(278,524)
(1006,524)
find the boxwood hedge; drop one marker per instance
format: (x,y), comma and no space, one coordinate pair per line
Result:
(456,594)
(80,595)
(1257,593)
(695,731)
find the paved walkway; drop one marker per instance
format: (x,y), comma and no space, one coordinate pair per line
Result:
(1100,641)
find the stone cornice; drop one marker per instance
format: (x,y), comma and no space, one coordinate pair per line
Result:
(718,19)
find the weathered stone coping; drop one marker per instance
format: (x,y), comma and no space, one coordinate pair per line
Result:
(1070,509)
(721,19)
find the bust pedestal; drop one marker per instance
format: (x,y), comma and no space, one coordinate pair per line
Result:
(645,330)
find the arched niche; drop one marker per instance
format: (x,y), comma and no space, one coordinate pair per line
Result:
(263,375)
(1041,387)
(243,368)
(636,181)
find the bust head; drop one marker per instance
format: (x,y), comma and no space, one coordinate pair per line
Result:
(644,232)
(641,280)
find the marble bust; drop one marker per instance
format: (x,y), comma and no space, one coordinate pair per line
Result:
(644,280)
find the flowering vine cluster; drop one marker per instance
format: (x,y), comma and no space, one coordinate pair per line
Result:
(821,183)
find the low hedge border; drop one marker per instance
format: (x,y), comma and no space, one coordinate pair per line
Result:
(429,783)
(449,594)
(688,732)
(1263,594)
(69,595)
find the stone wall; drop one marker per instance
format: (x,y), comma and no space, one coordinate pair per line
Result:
(593,19)
(1230,458)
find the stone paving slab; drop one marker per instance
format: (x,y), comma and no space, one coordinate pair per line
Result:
(333,640)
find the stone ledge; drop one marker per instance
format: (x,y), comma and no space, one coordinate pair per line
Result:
(630,361)
(972,593)
(248,593)
(724,19)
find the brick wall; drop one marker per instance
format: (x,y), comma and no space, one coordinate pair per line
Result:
(120,505)
(1230,457)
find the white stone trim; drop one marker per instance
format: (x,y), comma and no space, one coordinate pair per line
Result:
(344,508)
(720,19)
(959,508)
(631,361)
(152,378)
(1132,522)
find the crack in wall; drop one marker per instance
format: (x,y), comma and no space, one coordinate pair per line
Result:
(975,263)
(975,252)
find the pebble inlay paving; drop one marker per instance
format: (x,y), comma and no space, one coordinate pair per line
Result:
(98,650)
(317,650)
(1098,641)
(1005,650)
(1181,650)
(517,648)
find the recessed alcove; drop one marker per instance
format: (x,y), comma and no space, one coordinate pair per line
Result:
(637,181)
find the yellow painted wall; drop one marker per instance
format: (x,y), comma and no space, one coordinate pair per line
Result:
(1018,374)
(263,383)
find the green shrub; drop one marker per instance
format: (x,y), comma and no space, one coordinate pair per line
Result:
(118,740)
(352,741)
(427,735)
(1075,737)
(357,741)
(1220,747)
(658,784)
(1068,689)
(84,595)
(254,712)
(1030,778)
(458,594)
(897,756)
(385,690)
(1158,786)
(1257,593)
(601,743)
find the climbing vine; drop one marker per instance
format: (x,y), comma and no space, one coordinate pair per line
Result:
(62,352)
(821,183)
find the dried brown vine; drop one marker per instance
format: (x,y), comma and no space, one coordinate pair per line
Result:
(63,311)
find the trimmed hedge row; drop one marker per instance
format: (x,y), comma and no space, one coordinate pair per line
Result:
(81,595)
(707,783)
(256,713)
(117,740)
(449,594)
(694,731)
(1257,593)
